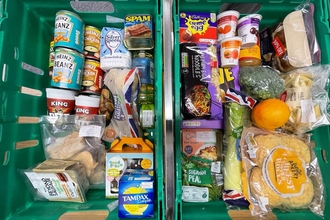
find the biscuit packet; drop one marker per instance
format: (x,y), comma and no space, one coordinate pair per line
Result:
(280,171)
(77,138)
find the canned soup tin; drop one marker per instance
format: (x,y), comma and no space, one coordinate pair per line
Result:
(68,69)
(69,31)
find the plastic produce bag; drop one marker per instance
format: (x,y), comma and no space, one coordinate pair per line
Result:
(234,121)
(281,172)
(294,40)
(78,138)
(307,96)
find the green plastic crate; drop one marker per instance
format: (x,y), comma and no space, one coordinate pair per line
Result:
(26,27)
(273,12)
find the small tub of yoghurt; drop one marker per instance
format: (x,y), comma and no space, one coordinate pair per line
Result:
(226,24)
(87,105)
(248,29)
(229,51)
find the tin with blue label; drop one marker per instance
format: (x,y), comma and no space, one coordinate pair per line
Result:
(136,194)
(69,31)
(138,32)
(145,63)
(68,69)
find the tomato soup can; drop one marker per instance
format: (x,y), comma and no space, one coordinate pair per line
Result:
(92,43)
(69,31)
(68,69)
(92,77)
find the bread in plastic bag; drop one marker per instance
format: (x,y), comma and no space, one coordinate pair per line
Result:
(76,137)
(281,171)
(306,92)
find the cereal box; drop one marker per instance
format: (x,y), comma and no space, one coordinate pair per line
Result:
(196,27)
(136,194)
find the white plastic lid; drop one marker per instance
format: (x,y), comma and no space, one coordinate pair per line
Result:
(258,16)
(60,94)
(232,39)
(229,12)
(87,101)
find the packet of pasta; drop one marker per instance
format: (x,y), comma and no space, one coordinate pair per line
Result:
(200,82)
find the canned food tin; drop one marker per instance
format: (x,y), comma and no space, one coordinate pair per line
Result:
(69,31)
(92,77)
(68,69)
(51,58)
(92,43)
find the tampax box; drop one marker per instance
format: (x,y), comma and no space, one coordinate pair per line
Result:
(122,156)
(136,194)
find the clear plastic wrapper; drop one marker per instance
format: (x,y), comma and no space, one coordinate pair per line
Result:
(261,82)
(234,121)
(78,138)
(281,171)
(306,95)
(294,40)
(57,180)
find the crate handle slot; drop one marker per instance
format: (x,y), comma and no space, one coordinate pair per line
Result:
(26,144)
(6,158)
(30,91)
(3,13)
(4,73)
(92,6)
(86,215)
(324,155)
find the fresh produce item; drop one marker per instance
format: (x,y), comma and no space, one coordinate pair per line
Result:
(261,82)
(200,85)
(270,114)
(199,182)
(280,171)
(57,180)
(226,24)
(122,86)
(77,138)
(234,121)
(294,40)
(307,96)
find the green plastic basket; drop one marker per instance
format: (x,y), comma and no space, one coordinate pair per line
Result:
(273,12)
(26,27)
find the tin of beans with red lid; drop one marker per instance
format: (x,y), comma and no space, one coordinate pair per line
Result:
(69,31)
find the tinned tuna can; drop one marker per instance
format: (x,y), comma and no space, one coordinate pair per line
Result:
(69,31)
(92,77)
(68,69)
(92,43)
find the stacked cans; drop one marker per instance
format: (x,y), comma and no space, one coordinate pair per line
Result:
(74,57)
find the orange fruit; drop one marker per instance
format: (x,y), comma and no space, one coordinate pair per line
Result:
(270,114)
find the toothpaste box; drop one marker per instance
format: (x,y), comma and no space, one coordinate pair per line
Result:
(136,194)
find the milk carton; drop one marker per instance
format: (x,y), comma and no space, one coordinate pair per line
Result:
(136,194)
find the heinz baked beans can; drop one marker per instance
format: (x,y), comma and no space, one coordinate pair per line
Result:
(92,43)
(69,31)
(68,69)
(92,77)
(51,58)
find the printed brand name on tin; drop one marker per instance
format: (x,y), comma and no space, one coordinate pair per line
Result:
(82,110)
(139,18)
(64,61)
(58,103)
(63,22)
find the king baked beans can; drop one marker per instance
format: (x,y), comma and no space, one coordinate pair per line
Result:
(68,69)
(69,31)
(92,43)
(92,77)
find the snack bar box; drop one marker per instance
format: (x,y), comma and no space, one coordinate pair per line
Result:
(272,12)
(26,29)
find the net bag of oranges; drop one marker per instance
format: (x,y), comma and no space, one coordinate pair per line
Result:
(280,171)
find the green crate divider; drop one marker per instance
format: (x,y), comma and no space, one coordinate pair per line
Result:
(26,27)
(273,12)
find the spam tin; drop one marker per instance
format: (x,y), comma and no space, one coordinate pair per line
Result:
(68,69)
(92,77)
(136,194)
(92,43)
(113,52)
(69,31)
(138,32)
(198,27)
